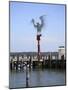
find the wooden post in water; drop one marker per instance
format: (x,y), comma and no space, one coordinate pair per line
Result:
(49,61)
(17,62)
(62,58)
(30,61)
(27,75)
(56,58)
(11,64)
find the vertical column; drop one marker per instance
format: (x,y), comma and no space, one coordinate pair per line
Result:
(56,58)
(27,75)
(17,62)
(30,61)
(11,63)
(38,50)
(38,40)
(62,58)
(49,60)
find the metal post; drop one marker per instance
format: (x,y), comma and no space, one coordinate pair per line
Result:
(38,50)
(17,62)
(49,62)
(50,59)
(56,58)
(38,40)
(62,64)
(30,62)
(27,76)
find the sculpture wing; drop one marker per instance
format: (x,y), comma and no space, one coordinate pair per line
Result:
(42,20)
(33,22)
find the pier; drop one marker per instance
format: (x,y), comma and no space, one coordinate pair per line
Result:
(48,60)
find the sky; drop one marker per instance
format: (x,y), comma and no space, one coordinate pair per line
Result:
(23,34)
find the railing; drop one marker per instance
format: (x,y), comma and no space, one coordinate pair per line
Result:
(49,63)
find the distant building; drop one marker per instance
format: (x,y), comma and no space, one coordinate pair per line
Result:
(25,56)
(61,51)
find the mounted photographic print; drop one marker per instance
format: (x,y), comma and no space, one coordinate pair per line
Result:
(37,55)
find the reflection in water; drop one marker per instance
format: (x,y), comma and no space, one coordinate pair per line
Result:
(44,77)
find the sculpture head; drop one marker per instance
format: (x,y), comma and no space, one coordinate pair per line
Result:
(38,24)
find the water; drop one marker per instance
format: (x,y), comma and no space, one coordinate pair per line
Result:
(37,78)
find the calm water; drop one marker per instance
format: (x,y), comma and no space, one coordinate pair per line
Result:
(37,78)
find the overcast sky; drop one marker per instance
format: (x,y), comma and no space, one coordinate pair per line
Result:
(23,33)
